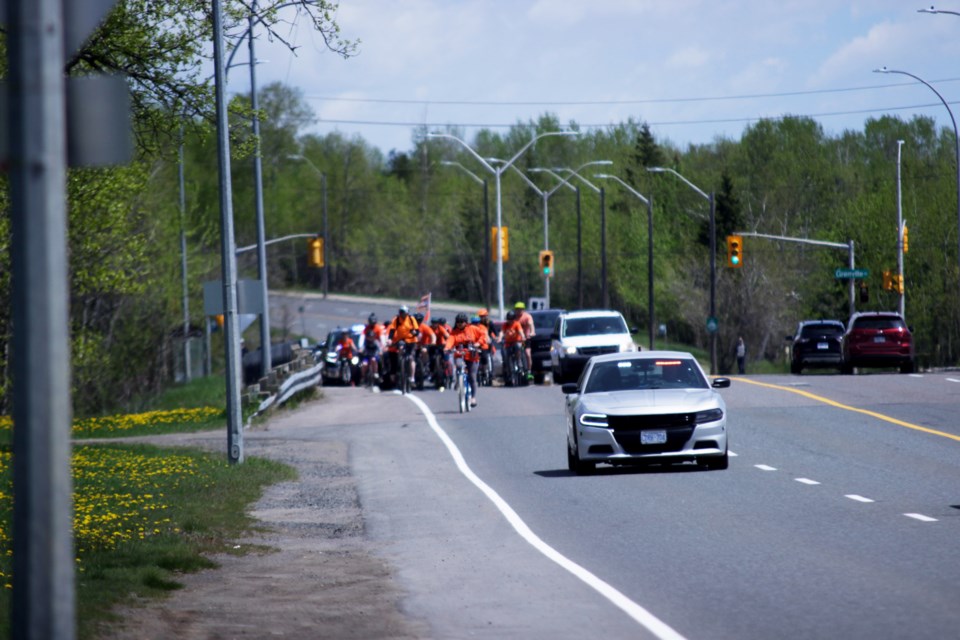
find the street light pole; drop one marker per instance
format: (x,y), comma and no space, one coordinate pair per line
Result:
(713,260)
(956,132)
(486,227)
(604,291)
(497,172)
(649,202)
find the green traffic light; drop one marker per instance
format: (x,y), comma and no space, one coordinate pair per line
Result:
(735,259)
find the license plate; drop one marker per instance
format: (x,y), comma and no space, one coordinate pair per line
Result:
(547,363)
(822,345)
(879,339)
(653,437)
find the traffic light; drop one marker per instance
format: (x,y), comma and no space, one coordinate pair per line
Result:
(546,263)
(864,292)
(904,238)
(887,281)
(315,252)
(898,283)
(734,251)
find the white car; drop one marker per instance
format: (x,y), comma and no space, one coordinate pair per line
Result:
(579,335)
(646,407)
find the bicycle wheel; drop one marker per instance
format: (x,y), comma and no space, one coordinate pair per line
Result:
(461,392)
(469,394)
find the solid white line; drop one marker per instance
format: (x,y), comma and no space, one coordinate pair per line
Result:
(854,496)
(920,517)
(764,467)
(653,624)
(952,380)
(806,481)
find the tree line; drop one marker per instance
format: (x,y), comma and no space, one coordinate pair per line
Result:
(403,223)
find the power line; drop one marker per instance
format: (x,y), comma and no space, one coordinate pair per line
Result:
(747,96)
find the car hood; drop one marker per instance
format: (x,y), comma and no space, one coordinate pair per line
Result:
(651,401)
(595,340)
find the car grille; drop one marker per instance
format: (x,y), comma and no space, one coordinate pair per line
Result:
(596,351)
(538,346)
(626,431)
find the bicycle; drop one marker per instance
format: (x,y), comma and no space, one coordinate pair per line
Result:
(461,380)
(514,370)
(406,366)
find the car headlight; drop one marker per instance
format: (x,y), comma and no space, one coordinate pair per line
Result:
(710,415)
(594,420)
(628,346)
(331,356)
(570,351)
(354,360)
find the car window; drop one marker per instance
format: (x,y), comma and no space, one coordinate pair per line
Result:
(544,321)
(644,373)
(594,326)
(885,322)
(812,330)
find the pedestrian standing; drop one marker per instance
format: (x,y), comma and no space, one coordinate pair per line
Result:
(741,356)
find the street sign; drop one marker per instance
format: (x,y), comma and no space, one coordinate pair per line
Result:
(712,325)
(840,273)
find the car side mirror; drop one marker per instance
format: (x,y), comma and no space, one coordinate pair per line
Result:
(570,388)
(720,383)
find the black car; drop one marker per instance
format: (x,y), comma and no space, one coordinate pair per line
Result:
(543,321)
(817,344)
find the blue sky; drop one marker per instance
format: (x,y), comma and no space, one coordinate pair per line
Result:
(694,69)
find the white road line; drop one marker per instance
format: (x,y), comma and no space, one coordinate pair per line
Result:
(920,517)
(854,496)
(653,624)
(764,467)
(952,380)
(731,454)
(806,481)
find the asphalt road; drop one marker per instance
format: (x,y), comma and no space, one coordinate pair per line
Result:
(839,516)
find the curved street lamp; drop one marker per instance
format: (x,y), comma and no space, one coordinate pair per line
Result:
(649,202)
(486,226)
(713,261)
(956,133)
(497,172)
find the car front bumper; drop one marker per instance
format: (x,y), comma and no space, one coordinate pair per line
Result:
(602,444)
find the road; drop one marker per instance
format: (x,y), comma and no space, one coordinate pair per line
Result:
(838,517)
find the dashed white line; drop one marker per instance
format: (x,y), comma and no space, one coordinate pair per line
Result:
(952,380)
(920,517)
(854,496)
(764,467)
(806,481)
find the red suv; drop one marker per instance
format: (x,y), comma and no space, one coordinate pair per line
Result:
(877,339)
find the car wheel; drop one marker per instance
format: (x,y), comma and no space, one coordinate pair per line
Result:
(538,378)
(717,463)
(576,465)
(795,368)
(846,369)
(907,367)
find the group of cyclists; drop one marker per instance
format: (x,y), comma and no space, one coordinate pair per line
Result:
(412,351)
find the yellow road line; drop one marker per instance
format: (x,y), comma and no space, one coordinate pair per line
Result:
(833,403)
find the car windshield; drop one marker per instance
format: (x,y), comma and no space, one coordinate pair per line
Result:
(594,326)
(887,322)
(645,373)
(543,322)
(813,330)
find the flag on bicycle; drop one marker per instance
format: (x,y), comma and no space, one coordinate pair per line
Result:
(424,307)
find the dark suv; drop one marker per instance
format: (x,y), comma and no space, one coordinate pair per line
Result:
(817,343)
(543,321)
(877,339)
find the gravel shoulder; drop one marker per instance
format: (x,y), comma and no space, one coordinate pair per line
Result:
(314,572)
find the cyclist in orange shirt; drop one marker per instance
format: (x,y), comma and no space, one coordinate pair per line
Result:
(425,342)
(526,321)
(463,335)
(402,333)
(373,335)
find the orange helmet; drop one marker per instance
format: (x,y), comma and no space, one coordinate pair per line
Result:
(483,312)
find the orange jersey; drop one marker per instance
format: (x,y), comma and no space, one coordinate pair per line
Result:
(346,346)
(469,334)
(512,332)
(427,335)
(442,331)
(401,330)
(374,332)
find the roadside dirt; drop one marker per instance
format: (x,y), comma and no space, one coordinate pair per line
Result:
(312,574)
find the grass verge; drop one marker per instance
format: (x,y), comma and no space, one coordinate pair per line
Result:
(144,515)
